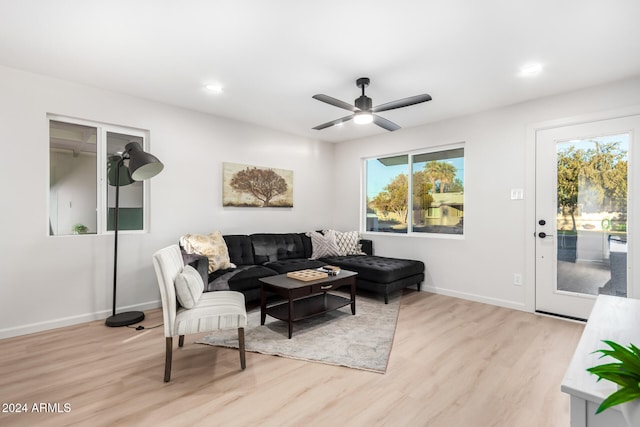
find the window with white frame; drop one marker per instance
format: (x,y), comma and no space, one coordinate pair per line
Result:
(416,192)
(82,167)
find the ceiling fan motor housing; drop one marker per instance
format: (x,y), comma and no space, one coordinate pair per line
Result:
(363,103)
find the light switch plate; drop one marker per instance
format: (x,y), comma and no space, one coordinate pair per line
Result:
(517,194)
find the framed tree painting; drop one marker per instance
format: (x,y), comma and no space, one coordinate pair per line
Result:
(256,186)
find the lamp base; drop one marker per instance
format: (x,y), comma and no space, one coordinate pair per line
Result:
(124,319)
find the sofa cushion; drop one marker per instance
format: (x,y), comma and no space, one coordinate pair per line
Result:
(242,278)
(247,277)
(367,246)
(217,280)
(277,246)
(306,243)
(189,287)
(323,245)
(240,249)
(287,265)
(377,269)
(212,246)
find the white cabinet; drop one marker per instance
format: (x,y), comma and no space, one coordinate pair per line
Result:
(614,319)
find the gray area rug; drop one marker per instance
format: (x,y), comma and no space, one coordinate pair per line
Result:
(362,341)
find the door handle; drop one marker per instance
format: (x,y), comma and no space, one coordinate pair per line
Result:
(542,235)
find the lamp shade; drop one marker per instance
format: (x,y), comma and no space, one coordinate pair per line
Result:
(142,165)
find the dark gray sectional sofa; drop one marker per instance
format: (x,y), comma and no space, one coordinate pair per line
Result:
(267,254)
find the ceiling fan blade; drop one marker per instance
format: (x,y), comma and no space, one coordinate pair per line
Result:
(384,123)
(404,102)
(333,123)
(335,102)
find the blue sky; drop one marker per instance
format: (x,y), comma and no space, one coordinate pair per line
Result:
(587,143)
(379,175)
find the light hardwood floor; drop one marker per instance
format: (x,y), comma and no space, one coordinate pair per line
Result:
(453,363)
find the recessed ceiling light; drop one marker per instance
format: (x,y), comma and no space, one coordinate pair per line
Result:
(214,88)
(531,69)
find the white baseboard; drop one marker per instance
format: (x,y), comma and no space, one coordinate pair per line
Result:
(71,320)
(477,298)
(88,317)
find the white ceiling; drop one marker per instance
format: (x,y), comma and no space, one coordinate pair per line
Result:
(271,56)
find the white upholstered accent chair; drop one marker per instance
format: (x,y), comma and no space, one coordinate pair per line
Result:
(212,311)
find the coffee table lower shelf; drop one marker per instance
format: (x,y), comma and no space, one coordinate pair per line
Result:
(307,307)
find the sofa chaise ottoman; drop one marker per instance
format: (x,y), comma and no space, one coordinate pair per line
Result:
(381,274)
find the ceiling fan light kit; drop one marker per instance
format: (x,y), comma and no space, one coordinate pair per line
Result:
(363,118)
(363,111)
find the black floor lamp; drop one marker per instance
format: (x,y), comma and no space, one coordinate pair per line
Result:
(142,166)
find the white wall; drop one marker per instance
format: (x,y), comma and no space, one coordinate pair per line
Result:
(498,231)
(53,281)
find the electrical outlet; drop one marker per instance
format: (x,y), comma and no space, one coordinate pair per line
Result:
(517,279)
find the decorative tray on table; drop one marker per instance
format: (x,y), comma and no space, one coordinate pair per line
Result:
(307,275)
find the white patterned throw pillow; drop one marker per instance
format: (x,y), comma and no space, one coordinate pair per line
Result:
(189,287)
(323,245)
(348,242)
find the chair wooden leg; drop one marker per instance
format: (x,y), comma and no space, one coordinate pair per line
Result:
(243,360)
(167,360)
(180,340)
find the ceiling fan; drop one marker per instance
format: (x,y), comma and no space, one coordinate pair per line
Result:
(363,112)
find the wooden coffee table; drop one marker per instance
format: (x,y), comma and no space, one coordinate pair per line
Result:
(305,299)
